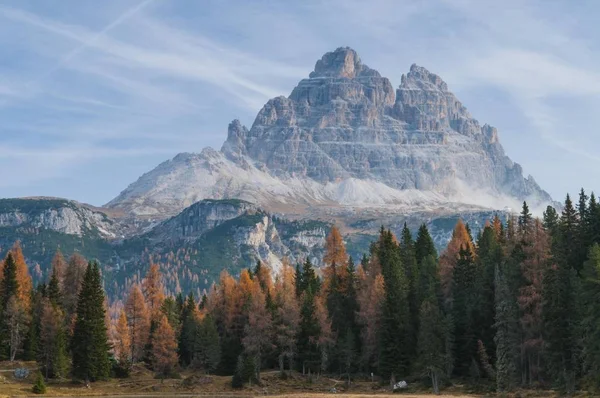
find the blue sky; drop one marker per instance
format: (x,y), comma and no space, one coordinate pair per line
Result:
(92,96)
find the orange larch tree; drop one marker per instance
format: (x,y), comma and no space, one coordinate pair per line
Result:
(138,319)
(59,265)
(460,239)
(23,277)
(123,342)
(287,316)
(154,291)
(164,348)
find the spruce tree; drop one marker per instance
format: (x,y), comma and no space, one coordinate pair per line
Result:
(489,256)
(394,357)
(308,335)
(424,245)
(507,338)
(432,359)
(89,345)
(525,219)
(9,285)
(187,336)
(207,353)
(464,304)
(590,323)
(54,294)
(411,270)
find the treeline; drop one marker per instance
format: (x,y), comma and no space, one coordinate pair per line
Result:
(517,306)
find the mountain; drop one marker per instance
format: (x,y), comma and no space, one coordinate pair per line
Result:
(193,247)
(45,224)
(345,139)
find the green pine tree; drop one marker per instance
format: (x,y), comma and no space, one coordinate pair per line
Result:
(309,331)
(424,245)
(394,357)
(432,358)
(464,294)
(187,337)
(89,345)
(53,290)
(39,387)
(559,326)
(207,353)
(590,325)
(9,285)
(507,337)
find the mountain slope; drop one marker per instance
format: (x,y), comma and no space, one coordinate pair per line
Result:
(344,138)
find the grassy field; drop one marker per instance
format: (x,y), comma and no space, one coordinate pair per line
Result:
(143,383)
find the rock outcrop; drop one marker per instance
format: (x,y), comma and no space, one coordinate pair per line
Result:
(59,215)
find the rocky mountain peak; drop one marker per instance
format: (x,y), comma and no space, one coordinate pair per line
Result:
(343,62)
(420,78)
(345,137)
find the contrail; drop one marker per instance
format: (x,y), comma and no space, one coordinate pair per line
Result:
(122,18)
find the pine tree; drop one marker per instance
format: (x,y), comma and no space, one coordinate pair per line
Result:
(309,330)
(432,359)
(9,286)
(187,336)
(39,387)
(525,220)
(507,334)
(308,279)
(89,345)
(424,245)
(411,270)
(207,353)
(559,333)
(170,310)
(590,323)
(54,293)
(394,357)
(464,304)
(489,256)
(53,357)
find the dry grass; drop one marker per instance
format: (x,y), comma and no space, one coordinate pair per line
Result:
(142,383)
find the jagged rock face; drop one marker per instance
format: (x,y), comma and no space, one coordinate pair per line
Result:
(344,138)
(58,215)
(345,121)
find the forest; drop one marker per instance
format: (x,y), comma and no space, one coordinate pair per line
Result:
(515,307)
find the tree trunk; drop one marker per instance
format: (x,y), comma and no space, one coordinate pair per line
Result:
(434,383)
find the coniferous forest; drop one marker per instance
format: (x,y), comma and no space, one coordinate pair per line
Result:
(515,307)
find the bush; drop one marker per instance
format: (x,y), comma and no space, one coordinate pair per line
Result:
(120,369)
(39,387)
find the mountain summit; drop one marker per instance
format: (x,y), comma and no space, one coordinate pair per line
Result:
(344,139)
